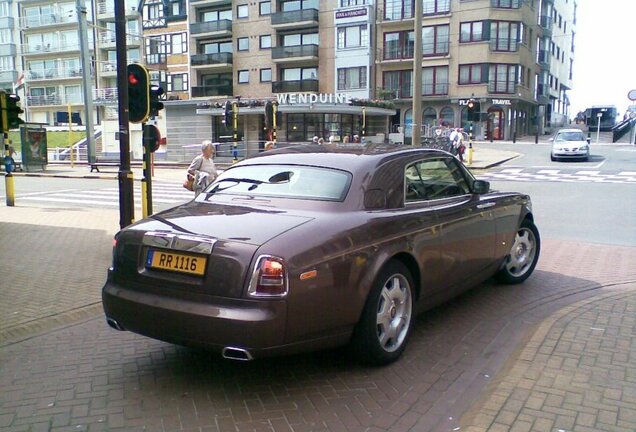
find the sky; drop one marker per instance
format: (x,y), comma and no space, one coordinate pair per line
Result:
(605,54)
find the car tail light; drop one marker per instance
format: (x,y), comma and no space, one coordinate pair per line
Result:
(269,278)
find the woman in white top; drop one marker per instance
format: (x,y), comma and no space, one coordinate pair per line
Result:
(203,168)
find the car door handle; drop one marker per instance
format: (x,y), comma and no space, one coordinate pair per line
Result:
(485,205)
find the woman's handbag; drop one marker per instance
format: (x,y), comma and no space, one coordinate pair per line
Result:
(189,182)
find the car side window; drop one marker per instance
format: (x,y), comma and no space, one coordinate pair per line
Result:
(434,179)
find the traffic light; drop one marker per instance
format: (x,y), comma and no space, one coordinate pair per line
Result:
(152,138)
(474,108)
(155,103)
(138,93)
(228,115)
(9,118)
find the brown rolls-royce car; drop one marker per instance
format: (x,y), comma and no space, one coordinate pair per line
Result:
(310,247)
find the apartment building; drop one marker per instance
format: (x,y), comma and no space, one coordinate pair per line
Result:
(503,54)
(9,45)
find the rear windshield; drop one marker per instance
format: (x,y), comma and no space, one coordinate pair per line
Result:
(284,181)
(570,136)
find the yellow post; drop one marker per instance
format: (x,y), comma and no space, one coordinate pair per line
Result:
(10,188)
(470,145)
(235,111)
(70,138)
(144,199)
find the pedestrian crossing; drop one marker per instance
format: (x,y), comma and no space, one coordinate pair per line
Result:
(164,195)
(555,175)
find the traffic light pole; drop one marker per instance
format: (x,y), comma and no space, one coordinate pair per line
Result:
(146,181)
(125,175)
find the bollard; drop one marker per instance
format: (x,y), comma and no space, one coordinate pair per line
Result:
(10,188)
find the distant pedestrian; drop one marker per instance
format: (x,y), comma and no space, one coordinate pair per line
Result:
(345,140)
(269,145)
(356,139)
(332,139)
(321,141)
(315,140)
(202,168)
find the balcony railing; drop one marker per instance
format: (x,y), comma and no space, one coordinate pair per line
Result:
(211,27)
(293,17)
(212,90)
(307,85)
(504,44)
(54,100)
(502,87)
(403,92)
(105,95)
(546,23)
(55,18)
(53,47)
(52,74)
(107,37)
(211,59)
(435,89)
(543,59)
(282,52)
(108,8)
(109,67)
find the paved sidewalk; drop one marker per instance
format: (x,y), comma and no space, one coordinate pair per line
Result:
(576,373)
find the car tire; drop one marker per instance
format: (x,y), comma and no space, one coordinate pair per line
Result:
(523,256)
(382,333)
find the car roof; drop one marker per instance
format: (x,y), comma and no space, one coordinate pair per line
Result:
(570,130)
(339,156)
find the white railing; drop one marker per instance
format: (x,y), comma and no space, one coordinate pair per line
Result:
(109,94)
(46,74)
(59,17)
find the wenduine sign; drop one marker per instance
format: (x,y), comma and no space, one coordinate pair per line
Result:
(307,98)
(351,13)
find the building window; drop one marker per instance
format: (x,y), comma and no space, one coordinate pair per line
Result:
(4,9)
(265,41)
(471,74)
(346,3)
(352,78)
(297,74)
(243,44)
(266,75)
(6,63)
(435,40)
(398,45)
(178,43)
(215,15)
(243,76)
(216,47)
(471,31)
(502,78)
(435,81)
(301,39)
(242,11)
(353,37)
(506,4)
(504,36)
(178,82)
(433,7)
(399,83)
(265,8)
(398,10)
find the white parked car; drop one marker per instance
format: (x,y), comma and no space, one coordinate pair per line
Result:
(570,144)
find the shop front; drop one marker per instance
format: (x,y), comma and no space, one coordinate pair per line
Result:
(301,118)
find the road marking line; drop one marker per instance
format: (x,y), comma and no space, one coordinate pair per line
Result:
(548,171)
(592,173)
(627,173)
(512,170)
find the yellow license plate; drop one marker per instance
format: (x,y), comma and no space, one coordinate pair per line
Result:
(176,262)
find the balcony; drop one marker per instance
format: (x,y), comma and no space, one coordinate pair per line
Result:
(543,93)
(156,60)
(211,61)
(285,54)
(54,19)
(8,49)
(105,96)
(52,48)
(502,87)
(107,40)
(106,9)
(220,28)
(504,45)
(405,92)
(53,74)
(543,59)
(295,19)
(546,23)
(307,85)
(108,69)
(53,100)
(212,90)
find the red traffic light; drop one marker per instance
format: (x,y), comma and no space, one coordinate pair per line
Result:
(132,79)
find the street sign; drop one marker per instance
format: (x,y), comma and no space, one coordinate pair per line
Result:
(632,95)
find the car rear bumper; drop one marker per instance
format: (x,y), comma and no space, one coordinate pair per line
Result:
(258,326)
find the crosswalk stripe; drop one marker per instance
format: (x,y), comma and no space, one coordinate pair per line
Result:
(548,172)
(627,173)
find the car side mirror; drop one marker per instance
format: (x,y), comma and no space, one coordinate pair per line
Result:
(481,187)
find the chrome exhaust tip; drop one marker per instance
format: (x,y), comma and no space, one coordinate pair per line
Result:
(114,324)
(240,354)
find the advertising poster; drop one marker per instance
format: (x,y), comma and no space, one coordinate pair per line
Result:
(34,152)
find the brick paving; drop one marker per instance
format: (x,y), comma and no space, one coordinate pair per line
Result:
(555,353)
